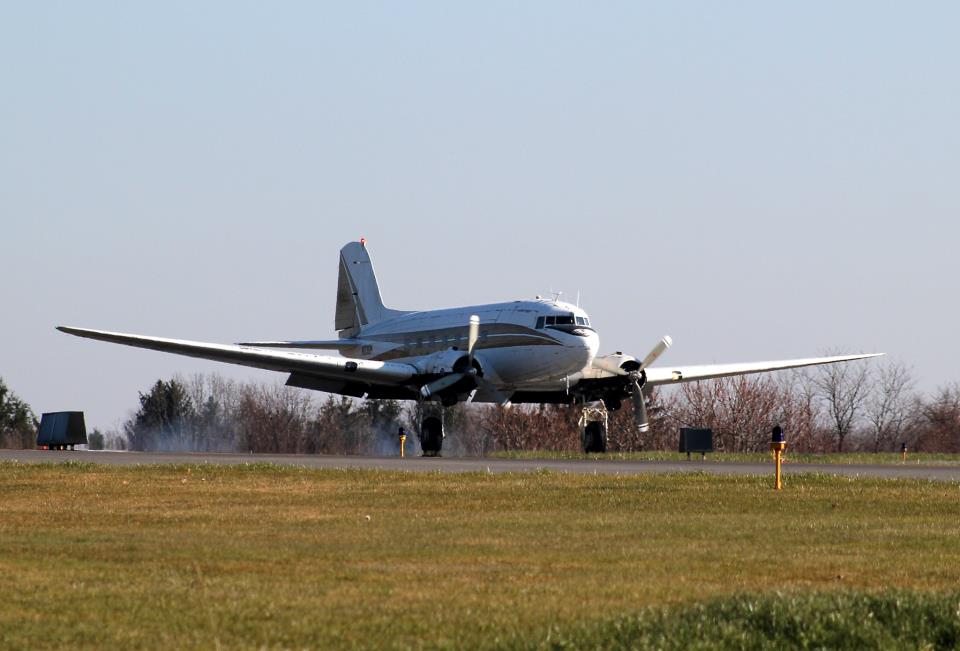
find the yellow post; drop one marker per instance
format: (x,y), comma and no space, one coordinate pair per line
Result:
(779,460)
(403,439)
(777,446)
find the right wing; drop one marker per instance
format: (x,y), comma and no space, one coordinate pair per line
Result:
(672,374)
(321,366)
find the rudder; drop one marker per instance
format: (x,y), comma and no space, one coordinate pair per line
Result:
(358,294)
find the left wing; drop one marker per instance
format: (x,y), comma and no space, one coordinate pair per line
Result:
(673,374)
(322,344)
(309,364)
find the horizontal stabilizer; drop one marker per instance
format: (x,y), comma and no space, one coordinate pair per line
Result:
(324,344)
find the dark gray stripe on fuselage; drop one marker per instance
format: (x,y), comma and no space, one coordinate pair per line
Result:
(492,335)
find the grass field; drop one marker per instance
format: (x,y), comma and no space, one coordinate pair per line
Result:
(270,557)
(870,458)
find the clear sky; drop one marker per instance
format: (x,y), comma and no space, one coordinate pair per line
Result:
(757,179)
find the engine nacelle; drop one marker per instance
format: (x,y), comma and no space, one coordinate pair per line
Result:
(443,362)
(616,363)
(619,375)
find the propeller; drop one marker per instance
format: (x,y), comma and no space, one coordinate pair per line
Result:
(473,333)
(636,387)
(447,381)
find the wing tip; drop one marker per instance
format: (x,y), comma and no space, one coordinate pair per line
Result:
(70,330)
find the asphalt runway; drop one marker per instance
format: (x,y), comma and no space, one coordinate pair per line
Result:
(465,464)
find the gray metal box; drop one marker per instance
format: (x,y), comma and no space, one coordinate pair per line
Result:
(62,428)
(693,439)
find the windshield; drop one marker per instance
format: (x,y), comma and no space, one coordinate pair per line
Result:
(562,319)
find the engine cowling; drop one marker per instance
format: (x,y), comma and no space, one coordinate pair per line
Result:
(443,362)
(616,363)
(622,373)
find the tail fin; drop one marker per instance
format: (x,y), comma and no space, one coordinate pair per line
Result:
(358,295)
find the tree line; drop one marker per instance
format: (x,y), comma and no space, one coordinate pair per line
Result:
(18,425)
(842,407)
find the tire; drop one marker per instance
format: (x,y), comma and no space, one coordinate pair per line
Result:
(594,438)
(431,436)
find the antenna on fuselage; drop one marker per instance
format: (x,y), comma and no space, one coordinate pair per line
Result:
(556,295)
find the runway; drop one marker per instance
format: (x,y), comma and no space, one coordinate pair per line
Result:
(466,464)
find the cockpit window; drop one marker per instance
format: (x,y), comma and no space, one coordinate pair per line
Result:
(581,321)
(540,320)
(565,320)
(551,320)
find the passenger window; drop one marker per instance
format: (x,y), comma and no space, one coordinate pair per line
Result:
(539,322)
(551,320)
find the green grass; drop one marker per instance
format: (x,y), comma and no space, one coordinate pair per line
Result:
(279,557)
(870,458)
(839,620)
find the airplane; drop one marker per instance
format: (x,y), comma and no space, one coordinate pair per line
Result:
(525,351)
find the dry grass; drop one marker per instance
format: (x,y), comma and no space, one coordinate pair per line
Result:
(252,557)
(854,458)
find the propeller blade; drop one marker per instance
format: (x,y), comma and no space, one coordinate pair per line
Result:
(658,350)
(489,388)
(639,407)
(473,333)
(445,382)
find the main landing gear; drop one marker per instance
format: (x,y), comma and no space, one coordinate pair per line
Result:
(431,429)
(593,424)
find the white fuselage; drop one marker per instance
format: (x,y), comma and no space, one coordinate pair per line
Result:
(535,343)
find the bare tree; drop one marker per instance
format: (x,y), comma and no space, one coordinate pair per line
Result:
(275,418)
(801,414)
(844,388)
(889,405)
(522,427)
(217,401)
(739,410)
(465,435)
(623,433)
(940,430)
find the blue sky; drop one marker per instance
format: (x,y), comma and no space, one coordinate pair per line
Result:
(759,180)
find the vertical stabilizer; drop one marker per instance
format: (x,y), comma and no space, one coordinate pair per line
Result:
(358,294)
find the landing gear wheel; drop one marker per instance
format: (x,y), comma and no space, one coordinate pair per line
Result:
(594,437)
(593,421)
(431,436)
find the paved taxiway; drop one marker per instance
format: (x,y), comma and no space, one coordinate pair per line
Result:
(456,464)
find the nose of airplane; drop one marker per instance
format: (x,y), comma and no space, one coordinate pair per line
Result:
(593,344)
(590,345)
